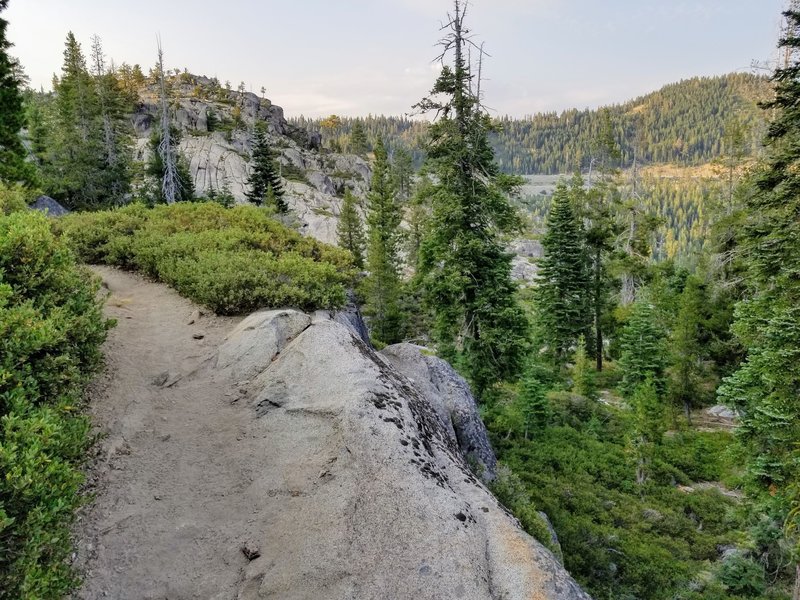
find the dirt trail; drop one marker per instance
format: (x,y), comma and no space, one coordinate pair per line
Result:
(169,518)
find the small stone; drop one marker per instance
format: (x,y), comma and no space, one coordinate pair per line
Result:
(250,551)
(195,317)
(198,336)
(161,378)
(156,497)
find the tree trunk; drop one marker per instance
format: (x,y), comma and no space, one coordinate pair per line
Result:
(598,312)
(796,592)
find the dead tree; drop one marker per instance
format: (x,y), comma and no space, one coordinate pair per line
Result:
(171,183)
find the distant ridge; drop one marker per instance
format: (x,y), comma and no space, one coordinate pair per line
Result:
(682,123)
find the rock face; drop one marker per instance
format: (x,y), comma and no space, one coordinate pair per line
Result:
(523,265)
(216,140)
(365,494)
(449,395)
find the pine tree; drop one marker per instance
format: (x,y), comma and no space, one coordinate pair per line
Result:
(686,357)
(599,212)
(765,388)
(116,145)
(464,270)
(382,285)
(13,167)
(533,399)
(358,138)
(583,381)
(172,181)
(647,426)
(264,182)
(350,229)
(403,173)
(74,164)
(642,350)
(562,279)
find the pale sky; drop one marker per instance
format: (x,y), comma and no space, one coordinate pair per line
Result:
(354,57)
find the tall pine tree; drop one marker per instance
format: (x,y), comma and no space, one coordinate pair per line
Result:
(86,148)
(643,352)
(382,286)
(13,167)
(563,279)
(687,367)
(264,182)
(599,212)
(464,270)
(350,229)
(358,138)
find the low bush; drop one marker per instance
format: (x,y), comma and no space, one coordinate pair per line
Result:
(231,260)
(51,328)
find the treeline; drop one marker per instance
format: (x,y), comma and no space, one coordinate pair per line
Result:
(681,204)
(682,123)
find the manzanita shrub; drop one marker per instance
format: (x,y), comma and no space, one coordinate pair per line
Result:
(51,329)
(231,260)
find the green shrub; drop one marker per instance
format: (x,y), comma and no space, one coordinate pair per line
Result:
(231,260)
(51,328)
(743,576)
(13,198)
(619,539)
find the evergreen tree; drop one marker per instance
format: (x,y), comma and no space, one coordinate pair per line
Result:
(562,277)
(647,426)
(351,230)
(116,131)
(583,382)
(382,285)
(599,212)
(642,353)
(358,139)
(535,406)
(264,182)
(765,388)
(464,270)
(13,167)
(83,137)
(403,173)
(686,356)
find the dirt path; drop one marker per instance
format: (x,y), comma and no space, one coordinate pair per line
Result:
(169,518)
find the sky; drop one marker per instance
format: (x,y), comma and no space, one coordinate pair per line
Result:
(358,57)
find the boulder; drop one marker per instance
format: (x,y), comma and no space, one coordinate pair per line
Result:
(48,205)
(321,182)
(364,493)
(722,412)
(450,397)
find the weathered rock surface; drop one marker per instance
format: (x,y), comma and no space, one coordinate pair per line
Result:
(288,460)
(450,396)
(376,499)
(523,264)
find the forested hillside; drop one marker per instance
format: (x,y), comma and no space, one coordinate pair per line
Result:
(682,123)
